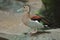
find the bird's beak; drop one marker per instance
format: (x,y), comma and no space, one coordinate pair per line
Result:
(20,10)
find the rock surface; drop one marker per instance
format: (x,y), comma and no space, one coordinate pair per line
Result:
(54,35)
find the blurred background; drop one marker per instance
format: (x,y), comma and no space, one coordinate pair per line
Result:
(47,8)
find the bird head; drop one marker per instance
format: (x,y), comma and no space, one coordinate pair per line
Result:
(26,8)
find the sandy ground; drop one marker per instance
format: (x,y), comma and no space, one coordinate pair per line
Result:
(11,23)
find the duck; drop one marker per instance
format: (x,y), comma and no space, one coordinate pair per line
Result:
(27,20)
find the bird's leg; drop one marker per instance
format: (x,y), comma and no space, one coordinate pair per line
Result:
(33,32)
(39,32)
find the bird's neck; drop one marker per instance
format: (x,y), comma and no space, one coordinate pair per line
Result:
(26,18)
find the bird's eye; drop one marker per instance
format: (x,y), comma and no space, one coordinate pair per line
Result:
(24,7)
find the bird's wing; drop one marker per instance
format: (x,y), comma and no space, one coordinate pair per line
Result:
(35,24)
